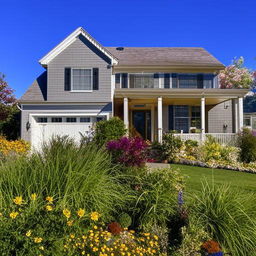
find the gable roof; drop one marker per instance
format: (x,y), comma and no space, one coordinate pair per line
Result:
(37,92)
(69,40)
(165,56)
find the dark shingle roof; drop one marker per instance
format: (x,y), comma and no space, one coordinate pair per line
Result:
(170,56)
(37,92)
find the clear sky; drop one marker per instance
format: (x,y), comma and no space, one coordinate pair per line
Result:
(31,28)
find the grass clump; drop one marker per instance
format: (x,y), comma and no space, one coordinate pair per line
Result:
(77,176)
(228,216)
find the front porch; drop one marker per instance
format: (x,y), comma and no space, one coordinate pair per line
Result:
(191,114)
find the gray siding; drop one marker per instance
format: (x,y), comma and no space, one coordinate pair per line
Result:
(220,115)
(80,54)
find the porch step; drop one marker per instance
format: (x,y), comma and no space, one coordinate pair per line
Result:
(157,165)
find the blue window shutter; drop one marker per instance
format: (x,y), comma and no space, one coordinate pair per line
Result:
(166,80)
(95,72)
(200,81)
(124,80)
(170,116)
(67,79)
(174,80)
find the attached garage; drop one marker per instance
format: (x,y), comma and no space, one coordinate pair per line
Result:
(44,127)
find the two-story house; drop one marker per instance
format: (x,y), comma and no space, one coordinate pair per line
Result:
(153,89)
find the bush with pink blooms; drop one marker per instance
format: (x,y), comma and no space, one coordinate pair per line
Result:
(128,151)
(236,76)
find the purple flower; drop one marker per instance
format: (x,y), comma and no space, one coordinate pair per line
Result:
(180,198)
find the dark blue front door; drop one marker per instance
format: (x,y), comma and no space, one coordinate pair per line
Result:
(142,123)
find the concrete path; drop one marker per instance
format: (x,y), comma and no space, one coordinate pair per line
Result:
(157,165)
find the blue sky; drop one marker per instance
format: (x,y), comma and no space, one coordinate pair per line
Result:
(29,29)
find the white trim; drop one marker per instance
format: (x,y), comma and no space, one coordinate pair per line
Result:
(160,118)
(69,40)
(126,113)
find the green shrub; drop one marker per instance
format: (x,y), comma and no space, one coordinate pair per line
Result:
(106,130)
(228,216)
(81,176)
(156,196)
(193,237)
(168,149)
(247,145)
(125,220)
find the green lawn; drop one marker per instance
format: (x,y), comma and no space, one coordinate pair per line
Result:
(240,181)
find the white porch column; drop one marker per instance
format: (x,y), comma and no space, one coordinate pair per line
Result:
(152,122)
(160,118)
(235,114)
(240,114)
(202,118)
(126,114)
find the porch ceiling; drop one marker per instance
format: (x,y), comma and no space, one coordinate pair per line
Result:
(174,94)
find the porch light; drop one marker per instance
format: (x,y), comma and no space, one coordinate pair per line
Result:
(28,125)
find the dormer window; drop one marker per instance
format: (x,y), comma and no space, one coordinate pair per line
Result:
(81,79)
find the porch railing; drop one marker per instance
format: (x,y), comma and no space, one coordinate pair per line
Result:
(222,138)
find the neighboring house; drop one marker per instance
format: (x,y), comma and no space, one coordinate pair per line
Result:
(153,89)
(250,111)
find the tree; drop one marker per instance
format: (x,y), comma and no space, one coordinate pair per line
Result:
(9,112)
(236,76)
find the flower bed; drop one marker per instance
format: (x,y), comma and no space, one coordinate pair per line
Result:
(16,147)
(237,166)
(36,225)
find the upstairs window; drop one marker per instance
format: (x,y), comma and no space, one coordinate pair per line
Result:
(141,80)
(81,79)
(188,81)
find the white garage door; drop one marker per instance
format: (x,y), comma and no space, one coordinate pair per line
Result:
(44,128)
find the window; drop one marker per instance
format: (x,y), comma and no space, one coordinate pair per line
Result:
(56,119)
(141,80)
(42,119)
(181,118)
(195,117)
(85,119)
(247,121)
(188,81)
(81,79)
(71,119)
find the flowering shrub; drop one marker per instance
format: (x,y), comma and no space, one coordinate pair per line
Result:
(40,226)
(236,76)
(128,151)
(13,147)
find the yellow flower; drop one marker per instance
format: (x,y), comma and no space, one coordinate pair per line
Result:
(48,208)
(38,240)
(80,213)
(33,196)
(28,234)
(49,199)
(95,216)
(13,215)
(70,223)
(18,200)
(41,248)
(66,213)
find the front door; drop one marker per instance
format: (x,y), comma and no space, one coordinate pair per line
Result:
(141,120)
